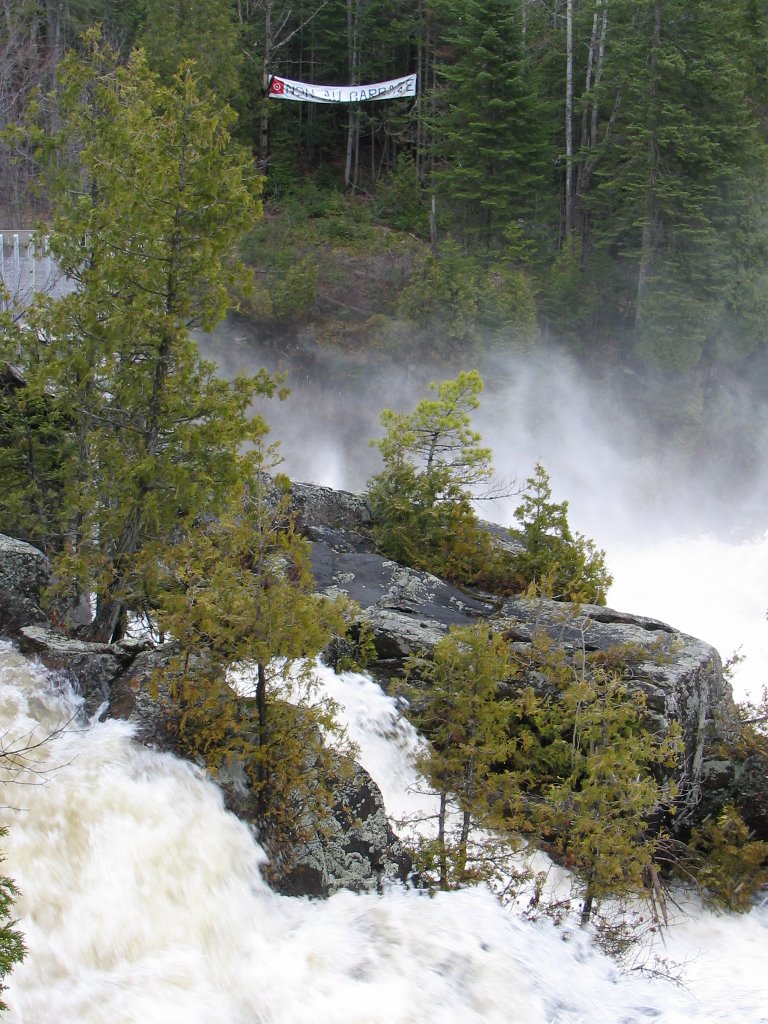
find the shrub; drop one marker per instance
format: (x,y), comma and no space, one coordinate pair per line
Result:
(556,562)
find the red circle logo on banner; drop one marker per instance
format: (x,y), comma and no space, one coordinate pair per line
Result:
(276,86)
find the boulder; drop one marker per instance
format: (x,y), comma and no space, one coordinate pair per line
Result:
(89,667)
(681,677)
(16,612)
(356,849)
(338,519)
(134,697)
(24,574)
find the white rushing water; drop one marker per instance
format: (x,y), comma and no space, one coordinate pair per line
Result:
(713,589)
(142,903)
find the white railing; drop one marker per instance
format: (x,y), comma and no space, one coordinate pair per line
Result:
(26,267)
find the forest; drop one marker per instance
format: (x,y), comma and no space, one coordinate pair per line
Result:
(602,162)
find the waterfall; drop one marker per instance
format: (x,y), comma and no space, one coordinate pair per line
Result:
(142,903)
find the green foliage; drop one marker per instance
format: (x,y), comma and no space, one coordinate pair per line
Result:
(237,596)
(727,862)
(150,196)
(203,31)
(358,651)
(400,200)
(437,436)
(12,949)
(287,291)
(420,521)
(678,177)
(752,713)
(455,702)
(37,451)
(488,175)
(422,500)
(470,301)
(556,562)
(571,765)
(584,754)
(569,296)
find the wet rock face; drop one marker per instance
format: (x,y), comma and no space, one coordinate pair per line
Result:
(23,569)
(406,611)
(338,519)
(680,677)
(355,850)
(16,612)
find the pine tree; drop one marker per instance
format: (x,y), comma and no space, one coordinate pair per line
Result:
(433,464)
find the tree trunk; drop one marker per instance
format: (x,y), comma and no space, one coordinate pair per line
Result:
(353,116)
(262,768)
(651,218)
(263,161)
(589,120)
(442,852)
(461,860)
(568,117)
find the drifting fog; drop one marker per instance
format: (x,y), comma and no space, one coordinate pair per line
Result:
(680,513)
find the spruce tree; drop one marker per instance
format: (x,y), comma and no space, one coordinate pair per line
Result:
(492,144)
(680,179)
(555,561)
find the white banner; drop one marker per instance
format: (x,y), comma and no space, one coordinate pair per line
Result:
(397,88)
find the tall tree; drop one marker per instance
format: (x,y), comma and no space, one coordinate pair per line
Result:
(150,197)
(681,173)
(238,595)
(492,136)
(203,31)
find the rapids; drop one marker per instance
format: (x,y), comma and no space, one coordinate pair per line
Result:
(142,903)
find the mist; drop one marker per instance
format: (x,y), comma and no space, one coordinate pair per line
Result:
(679,509)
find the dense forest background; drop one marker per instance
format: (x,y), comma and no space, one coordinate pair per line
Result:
(588,171)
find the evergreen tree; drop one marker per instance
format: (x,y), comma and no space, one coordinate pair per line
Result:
(555,561)
(150,196)
(455,702)
(592,770)
(202,31)
(12,949)
(679,183)
(237,595)
(422,500)
(491,128)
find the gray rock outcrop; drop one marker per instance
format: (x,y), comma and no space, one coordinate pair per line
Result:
(23,569)
(405,611)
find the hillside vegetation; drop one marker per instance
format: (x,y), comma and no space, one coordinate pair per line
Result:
(631,230)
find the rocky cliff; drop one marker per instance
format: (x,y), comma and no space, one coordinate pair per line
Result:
(404,611)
